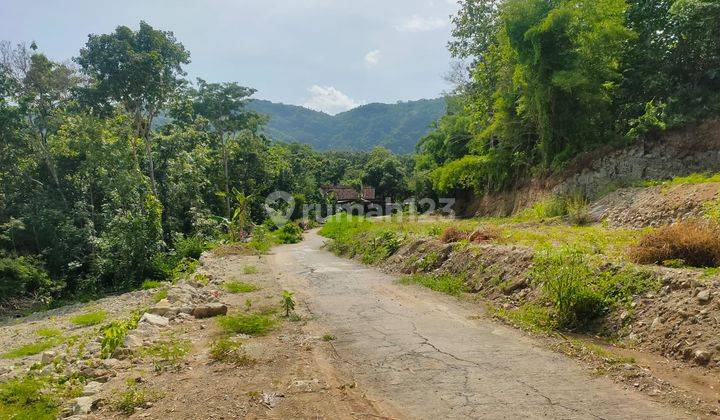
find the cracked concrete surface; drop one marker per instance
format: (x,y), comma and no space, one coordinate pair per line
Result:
(422,353)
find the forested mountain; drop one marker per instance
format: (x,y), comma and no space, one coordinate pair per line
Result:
(396,127)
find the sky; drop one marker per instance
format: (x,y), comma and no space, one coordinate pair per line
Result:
(328,55)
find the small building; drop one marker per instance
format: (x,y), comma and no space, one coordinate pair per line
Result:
(347,194)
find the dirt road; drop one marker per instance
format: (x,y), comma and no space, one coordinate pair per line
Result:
(429,355)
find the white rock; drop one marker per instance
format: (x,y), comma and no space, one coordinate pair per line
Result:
(153,319)
(83,405)
(704,296)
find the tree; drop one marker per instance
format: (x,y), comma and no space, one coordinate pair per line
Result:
(223,105)
(386,173)
(140,70)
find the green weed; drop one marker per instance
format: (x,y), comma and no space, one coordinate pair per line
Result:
(134,396)
(250,269)
(328,337)
(229,350)
(49,332)
(88,319)
(240,287)
(167,354)
(30,349)
(27,398)
(246,324)
(445,283)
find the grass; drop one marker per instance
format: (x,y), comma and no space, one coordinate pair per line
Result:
(229,350)
(49,332)
(160,295)
(30,349)
(696,178)
(446,283)
(134,396)
(252,324)
(236,286)
(530,316)
(152,284)
(27,398)
(89,319)
(328,337)
(250,269)
(167,354)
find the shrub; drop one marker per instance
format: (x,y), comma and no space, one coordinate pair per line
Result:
(151,284)
(160,295)
(113,334)
(445,283)
(88,319)
(23,276)
(484,234)
(240,287)
(290,233)
(451,234)
(26,398)
(381,247)
(695,242)
(190,247)
(246,324)
(135,395)
(577,210)
(565,282)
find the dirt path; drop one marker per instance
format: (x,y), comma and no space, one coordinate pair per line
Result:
(429,356)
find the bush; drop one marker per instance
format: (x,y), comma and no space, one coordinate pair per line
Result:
(23,276)
(484,234)
(113,334)
(190,247)
(577,210)
(290,233)
(566,283)
(27,398)
(451,234)
(695,242)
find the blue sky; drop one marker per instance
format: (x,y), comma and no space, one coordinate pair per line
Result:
(327,55)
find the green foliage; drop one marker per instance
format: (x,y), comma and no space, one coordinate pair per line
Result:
(151,284)
(160,295)
(27,398)
(288,302)
(49,332)
(30,349)
(246,324)
(229,350)
(240,287)
(113,334)
(580,291)
(289,233)
(445,283)
(167,354)
(328,337)
(23,277)
(89,318)
(134,396)
(396,127)
(250,269)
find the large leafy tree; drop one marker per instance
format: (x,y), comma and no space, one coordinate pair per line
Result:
(223,106)
(140,70)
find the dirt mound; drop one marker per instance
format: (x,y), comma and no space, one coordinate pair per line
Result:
(654,206)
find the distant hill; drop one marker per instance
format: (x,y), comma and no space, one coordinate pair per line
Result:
(396,127)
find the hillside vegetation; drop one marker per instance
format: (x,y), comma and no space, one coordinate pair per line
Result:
(396,127)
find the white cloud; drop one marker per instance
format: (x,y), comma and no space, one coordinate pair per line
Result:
(329,100)
(417,23)
(372,58)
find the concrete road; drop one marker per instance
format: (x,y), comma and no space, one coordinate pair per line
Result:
(426,355)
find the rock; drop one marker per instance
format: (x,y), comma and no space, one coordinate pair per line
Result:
(517,285)
(703,297)
(154,319)
(702,357)
(48,357)
(271,399)
(656,323)
(92,388)
(132,340)
(83,405)
(163,308)
(208,310)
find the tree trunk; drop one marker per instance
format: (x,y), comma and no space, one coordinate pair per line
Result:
(227,176)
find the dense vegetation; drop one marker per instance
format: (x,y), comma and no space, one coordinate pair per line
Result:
(549,80)
(117,170)
(396,127)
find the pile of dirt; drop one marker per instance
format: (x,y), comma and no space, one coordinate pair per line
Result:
(654,206)
(680,321)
